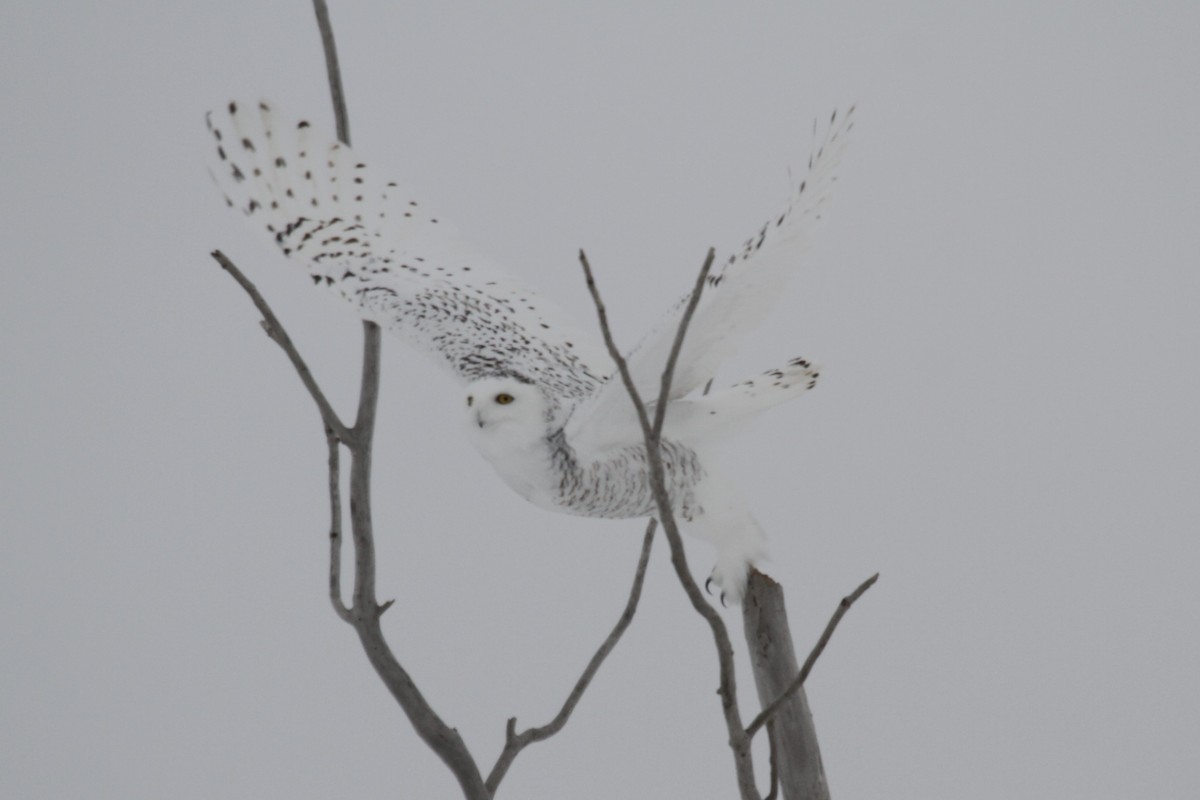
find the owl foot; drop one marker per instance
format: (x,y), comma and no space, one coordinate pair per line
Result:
(729,577)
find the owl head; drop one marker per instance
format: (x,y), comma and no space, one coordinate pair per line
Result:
(506,406)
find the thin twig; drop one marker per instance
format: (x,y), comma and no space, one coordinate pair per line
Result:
(765,715)
(668,375)
(335,527)
(515,742)
(279,335)
(606,331)
(341,118)
(739,742)
(774,757)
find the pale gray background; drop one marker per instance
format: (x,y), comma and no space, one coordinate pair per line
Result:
(1004,302)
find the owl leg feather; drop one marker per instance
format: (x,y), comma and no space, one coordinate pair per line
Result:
(723,520)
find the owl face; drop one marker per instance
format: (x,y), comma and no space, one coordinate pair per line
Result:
(504,405)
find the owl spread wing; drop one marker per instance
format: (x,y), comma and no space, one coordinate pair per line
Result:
(736,299)
(397,262)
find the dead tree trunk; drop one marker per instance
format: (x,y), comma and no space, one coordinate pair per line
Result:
(796,756)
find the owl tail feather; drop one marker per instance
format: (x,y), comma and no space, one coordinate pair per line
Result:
(721,412)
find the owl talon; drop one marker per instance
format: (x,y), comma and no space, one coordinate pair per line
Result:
(708,582)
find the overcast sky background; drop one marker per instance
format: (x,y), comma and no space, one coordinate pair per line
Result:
(1004,303)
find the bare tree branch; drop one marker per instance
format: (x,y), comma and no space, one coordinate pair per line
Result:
(739,742)
(774,791)
(668,375)
(515,742)
(365,611)
(335,528)
(341,118)
(368,397)
(765,715)
(277,333)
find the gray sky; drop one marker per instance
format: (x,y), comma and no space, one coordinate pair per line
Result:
(1004,303)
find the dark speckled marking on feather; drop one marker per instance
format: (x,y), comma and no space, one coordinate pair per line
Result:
(618,486)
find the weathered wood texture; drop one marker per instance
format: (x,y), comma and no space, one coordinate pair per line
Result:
(794,738)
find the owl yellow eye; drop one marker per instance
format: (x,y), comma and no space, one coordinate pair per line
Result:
(504,398)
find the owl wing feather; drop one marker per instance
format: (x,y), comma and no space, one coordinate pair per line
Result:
(396,261)
(736,299)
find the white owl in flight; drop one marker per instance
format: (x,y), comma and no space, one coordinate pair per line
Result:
(543,403)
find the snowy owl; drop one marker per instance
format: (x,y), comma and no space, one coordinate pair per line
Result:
(542,403)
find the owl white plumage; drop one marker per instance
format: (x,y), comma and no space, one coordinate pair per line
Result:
(543,404)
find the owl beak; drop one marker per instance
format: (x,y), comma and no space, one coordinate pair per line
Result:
(479,418)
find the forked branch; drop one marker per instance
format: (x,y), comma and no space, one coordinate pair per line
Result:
(515,742)
(364,611)
(739,742)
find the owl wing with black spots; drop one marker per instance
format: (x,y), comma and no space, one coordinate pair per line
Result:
(396,261)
